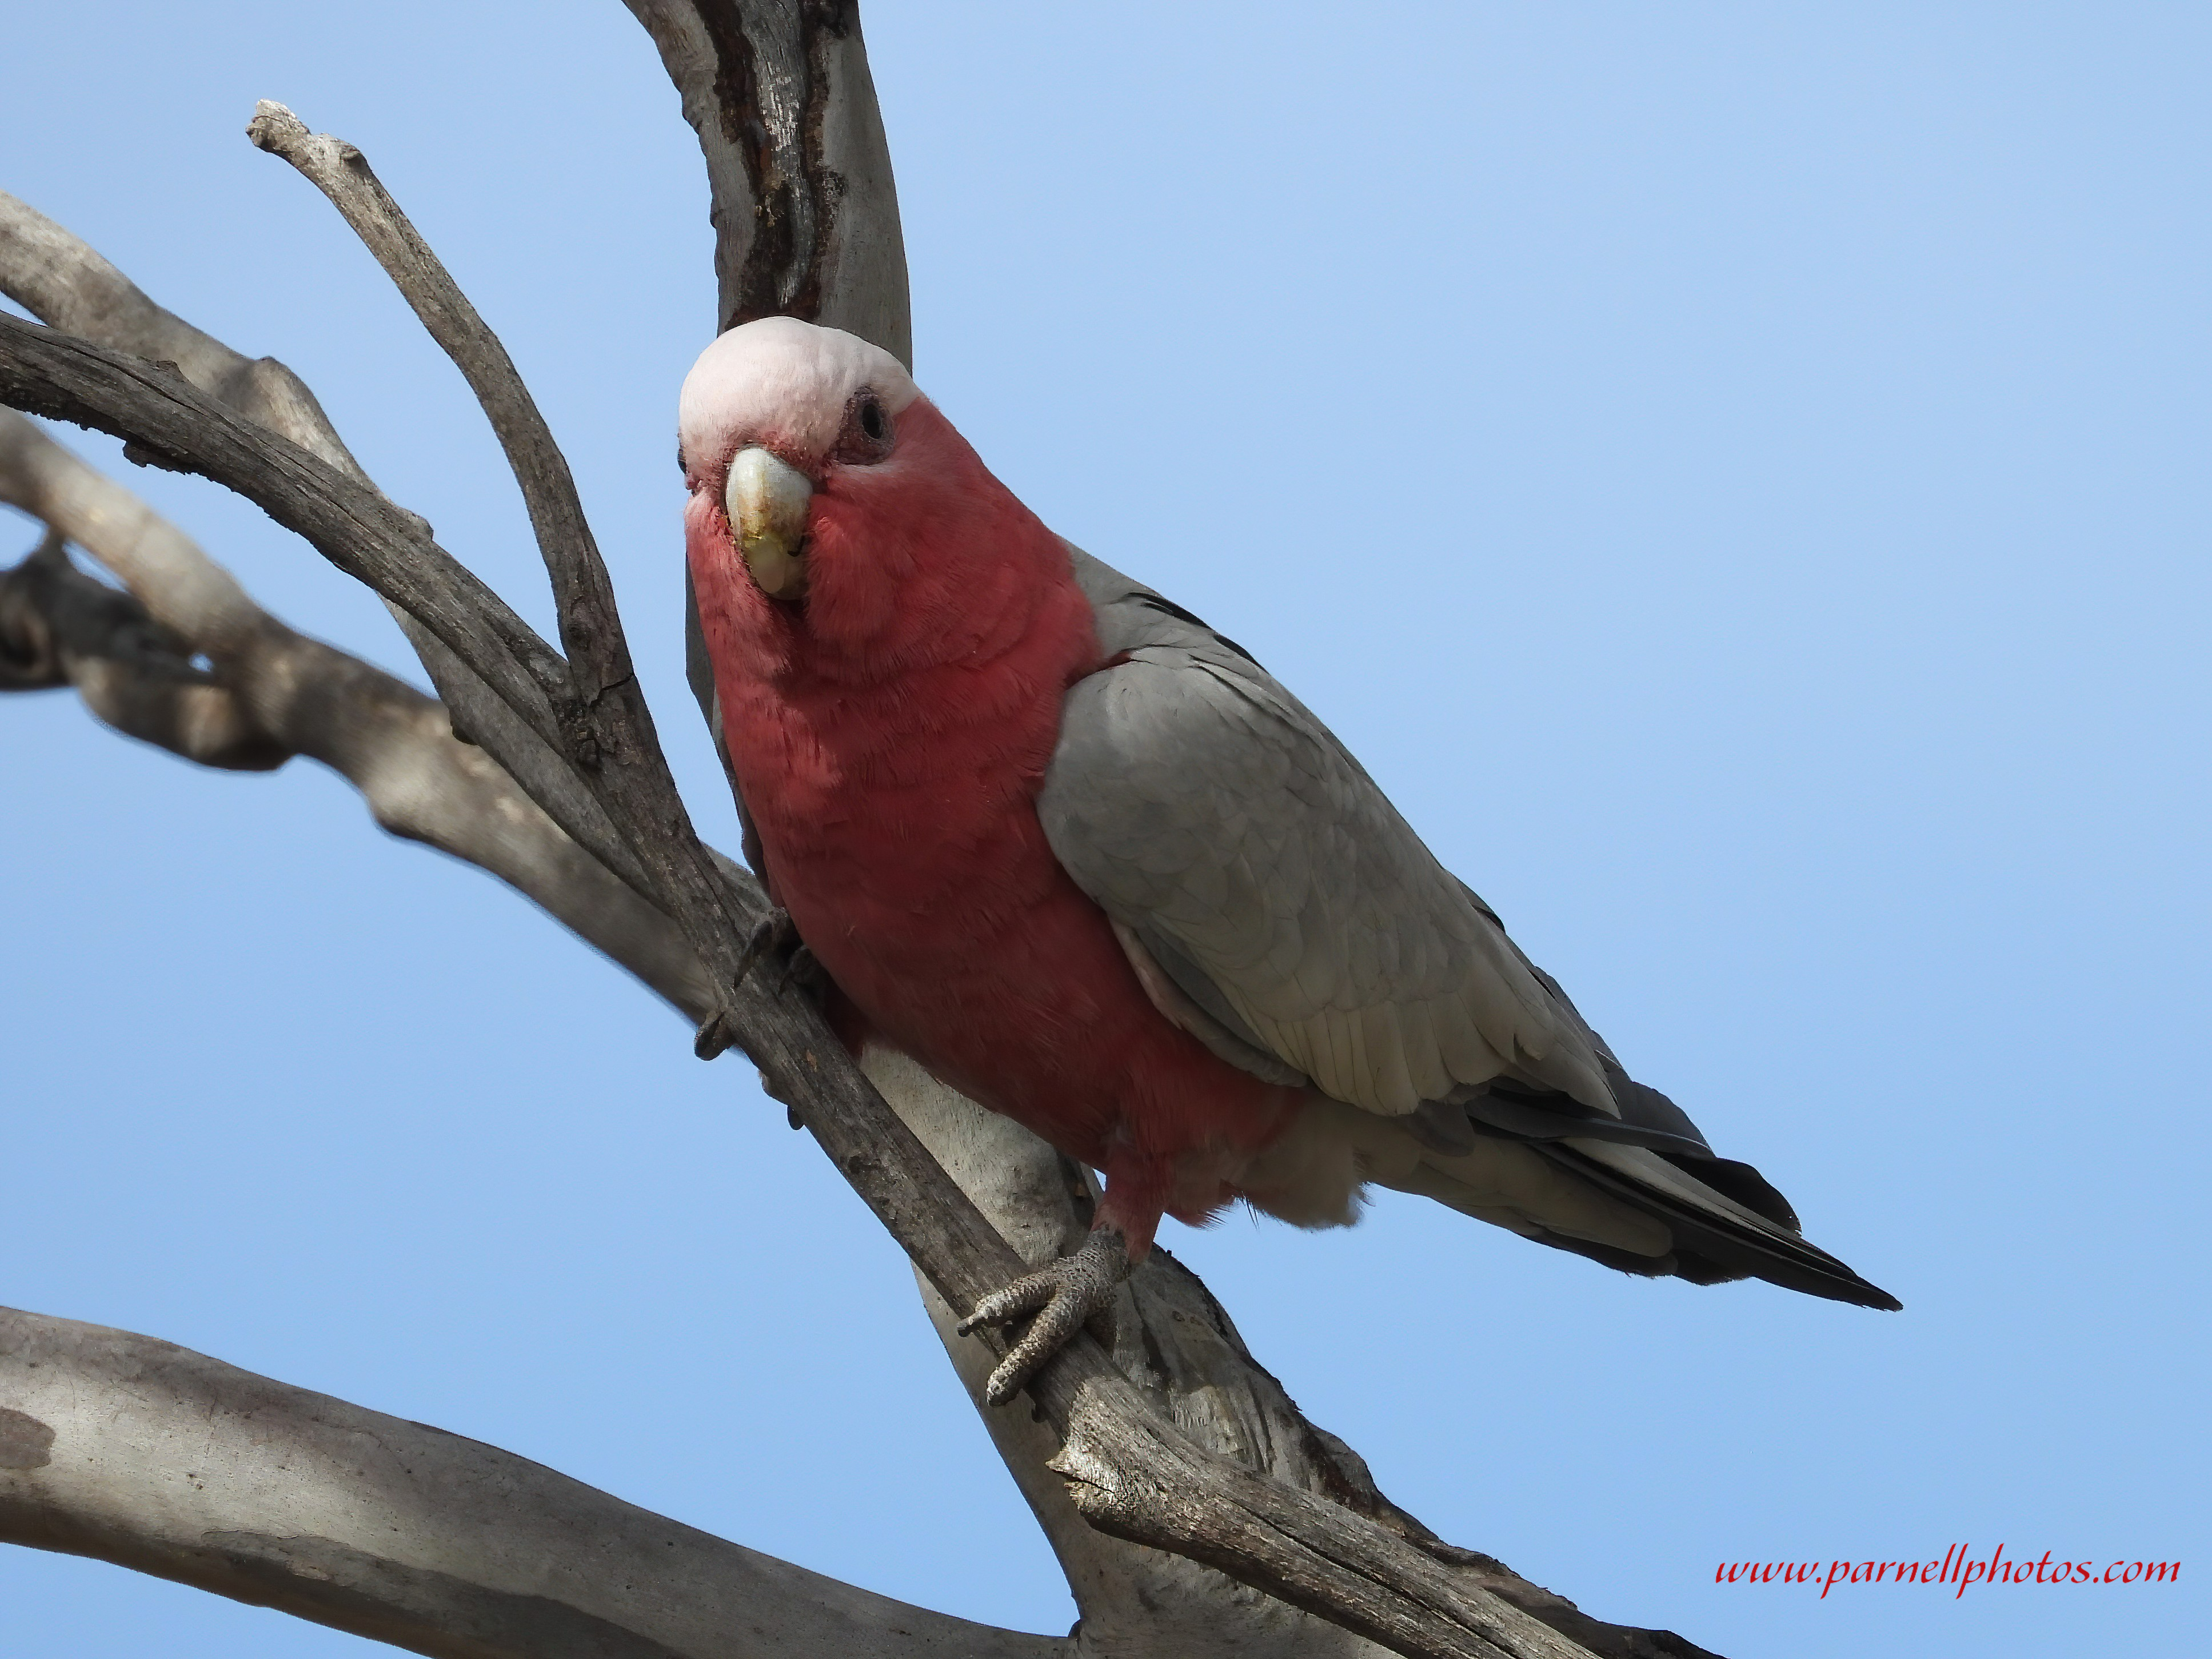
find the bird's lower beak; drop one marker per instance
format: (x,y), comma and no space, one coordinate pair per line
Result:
(768,503)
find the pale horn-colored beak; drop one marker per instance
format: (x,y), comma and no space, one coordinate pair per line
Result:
(767,501)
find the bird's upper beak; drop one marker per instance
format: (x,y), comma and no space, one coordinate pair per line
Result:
(767,501)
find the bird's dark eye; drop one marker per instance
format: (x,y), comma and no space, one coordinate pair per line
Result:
(868,434)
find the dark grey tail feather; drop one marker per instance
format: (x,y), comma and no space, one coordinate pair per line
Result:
(1740,1182)
(1514,1116)
(1708,1250)
(1695,1269)
(1626,1261)
(1647,1117)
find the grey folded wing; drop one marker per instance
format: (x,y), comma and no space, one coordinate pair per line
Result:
(1228,833)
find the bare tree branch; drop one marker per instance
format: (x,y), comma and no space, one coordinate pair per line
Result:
(806,221)
(275,693)
(609,728)
(60,627)
(604,715)
(140,1452)
(1178,1346)
(66,283)
(1363,1565)
(58,278)
(357,529)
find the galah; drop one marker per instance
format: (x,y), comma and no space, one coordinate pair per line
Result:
(1086,860)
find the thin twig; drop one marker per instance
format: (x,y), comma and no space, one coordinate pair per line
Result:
(66,283)
(581,589)
(609,727)
(349,522)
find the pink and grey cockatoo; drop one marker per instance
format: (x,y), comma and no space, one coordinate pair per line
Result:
(1083,859)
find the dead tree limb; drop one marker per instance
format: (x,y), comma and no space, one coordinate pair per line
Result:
(270,692)
(66,283)
(603,720)
(146,1453)
(1129,1471)
(798,171)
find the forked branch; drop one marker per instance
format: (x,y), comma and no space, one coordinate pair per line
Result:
(607,728)
(1127,1471)
(267,692)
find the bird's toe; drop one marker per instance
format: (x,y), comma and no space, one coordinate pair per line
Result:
(1064,1295)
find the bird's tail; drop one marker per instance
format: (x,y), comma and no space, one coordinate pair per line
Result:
(1726,1221)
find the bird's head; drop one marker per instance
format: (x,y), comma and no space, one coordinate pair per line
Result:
(774,413)
(835,513)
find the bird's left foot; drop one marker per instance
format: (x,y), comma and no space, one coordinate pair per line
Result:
(1068,1291)
(777,938)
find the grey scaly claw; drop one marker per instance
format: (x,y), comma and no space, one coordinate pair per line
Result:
(775,934)
(1067,1292)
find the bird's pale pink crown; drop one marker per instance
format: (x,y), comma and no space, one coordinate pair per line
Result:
(786,385)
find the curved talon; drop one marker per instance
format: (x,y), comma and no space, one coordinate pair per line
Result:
(801,969)
(713,1036)
(775,934)
(1064,1295)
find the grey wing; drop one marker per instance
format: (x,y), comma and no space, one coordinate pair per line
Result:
(1227,832)
(1276,907)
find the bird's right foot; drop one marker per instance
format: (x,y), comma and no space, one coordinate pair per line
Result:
(1064,1294)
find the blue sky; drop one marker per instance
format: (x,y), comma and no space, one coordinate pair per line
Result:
(1736,475)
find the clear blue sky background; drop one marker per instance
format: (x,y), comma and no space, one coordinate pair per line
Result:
(1736,473)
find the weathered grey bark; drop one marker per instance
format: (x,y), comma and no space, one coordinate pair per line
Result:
(798,171)
(1136,1460)
(143,1453)
(57,277)
(606,728)
(1176,1344)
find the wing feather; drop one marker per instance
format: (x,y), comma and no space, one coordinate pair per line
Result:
(1200,804)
